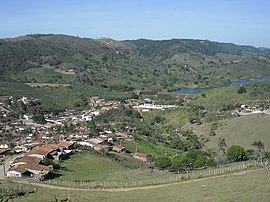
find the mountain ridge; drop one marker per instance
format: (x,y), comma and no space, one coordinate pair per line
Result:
(141,63)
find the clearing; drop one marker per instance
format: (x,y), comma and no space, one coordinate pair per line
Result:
(89,167)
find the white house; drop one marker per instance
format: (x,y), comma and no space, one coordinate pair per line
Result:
(19,172)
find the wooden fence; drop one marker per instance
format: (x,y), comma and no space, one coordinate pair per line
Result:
(15,189)
(230,168)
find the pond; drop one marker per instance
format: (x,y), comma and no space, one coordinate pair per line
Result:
(232,83)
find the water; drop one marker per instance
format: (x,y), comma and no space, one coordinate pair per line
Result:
(232,83)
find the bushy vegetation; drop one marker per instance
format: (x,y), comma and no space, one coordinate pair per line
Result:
(236,153)
(229,98)
(125,65)
(57,99)
(193,159)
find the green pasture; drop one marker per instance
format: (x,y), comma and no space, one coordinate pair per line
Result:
(89,167)
(243,131)
(253,186)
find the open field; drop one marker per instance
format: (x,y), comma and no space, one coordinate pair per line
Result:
(243,131)
(228,97)
(45,74)
(56,85)
(156,150)
(251,186)
(175,117)
(88,167)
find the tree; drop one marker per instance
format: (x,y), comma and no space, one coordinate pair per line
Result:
(179,163)
(39,118)
(212,133)
(236,153)
(162,162)
(259,150)
(241,90)
(200,161)
(221,157)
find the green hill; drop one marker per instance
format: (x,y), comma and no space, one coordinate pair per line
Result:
(125,65)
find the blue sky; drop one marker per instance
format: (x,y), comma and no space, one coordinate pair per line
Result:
(244,22)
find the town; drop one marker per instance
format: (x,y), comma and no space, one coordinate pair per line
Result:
(31,144)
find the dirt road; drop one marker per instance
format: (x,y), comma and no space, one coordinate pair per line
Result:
(136,188)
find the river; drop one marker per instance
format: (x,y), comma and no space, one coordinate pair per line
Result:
(232,83)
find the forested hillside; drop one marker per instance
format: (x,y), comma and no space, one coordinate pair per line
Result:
(127,65)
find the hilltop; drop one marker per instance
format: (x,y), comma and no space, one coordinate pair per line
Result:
(126,65)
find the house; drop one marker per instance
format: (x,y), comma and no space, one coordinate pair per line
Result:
(142,156)
(55,151)
(30,146)
(87,117)
(27,116)
(124,135)
(51,125)
(56,120)
(3,146)
(91,142)
(101,147)
(103,137)
(119,148)
(27,122)
(86,143)
(5,152)
(19,149)
(43,152)
(39,171)
(4,98)
(24,160)
(19,172)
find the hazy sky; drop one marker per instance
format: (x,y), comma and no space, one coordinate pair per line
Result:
(245,22)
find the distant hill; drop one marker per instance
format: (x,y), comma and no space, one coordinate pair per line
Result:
(131,64)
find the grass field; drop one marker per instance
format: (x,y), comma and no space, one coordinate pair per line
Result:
(221,98)
(252,186)
(88,167)
(175,117)
(243,131)
(55,85)
(156,150)
(45,74)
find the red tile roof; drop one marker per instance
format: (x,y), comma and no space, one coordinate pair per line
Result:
(64,144)
(33,166)
(4,97)
(100,147)
(46,149)
(141,155)
(18,169)
(27,159)
(118,148)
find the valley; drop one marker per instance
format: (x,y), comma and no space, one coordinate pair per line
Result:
(100,113)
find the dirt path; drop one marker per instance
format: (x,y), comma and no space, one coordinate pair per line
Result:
(136,188)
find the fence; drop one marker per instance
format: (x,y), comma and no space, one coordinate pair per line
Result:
(15,189)
(155,181)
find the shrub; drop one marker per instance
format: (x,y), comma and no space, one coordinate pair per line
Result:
(236,153)
(162,162)
(241,90)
